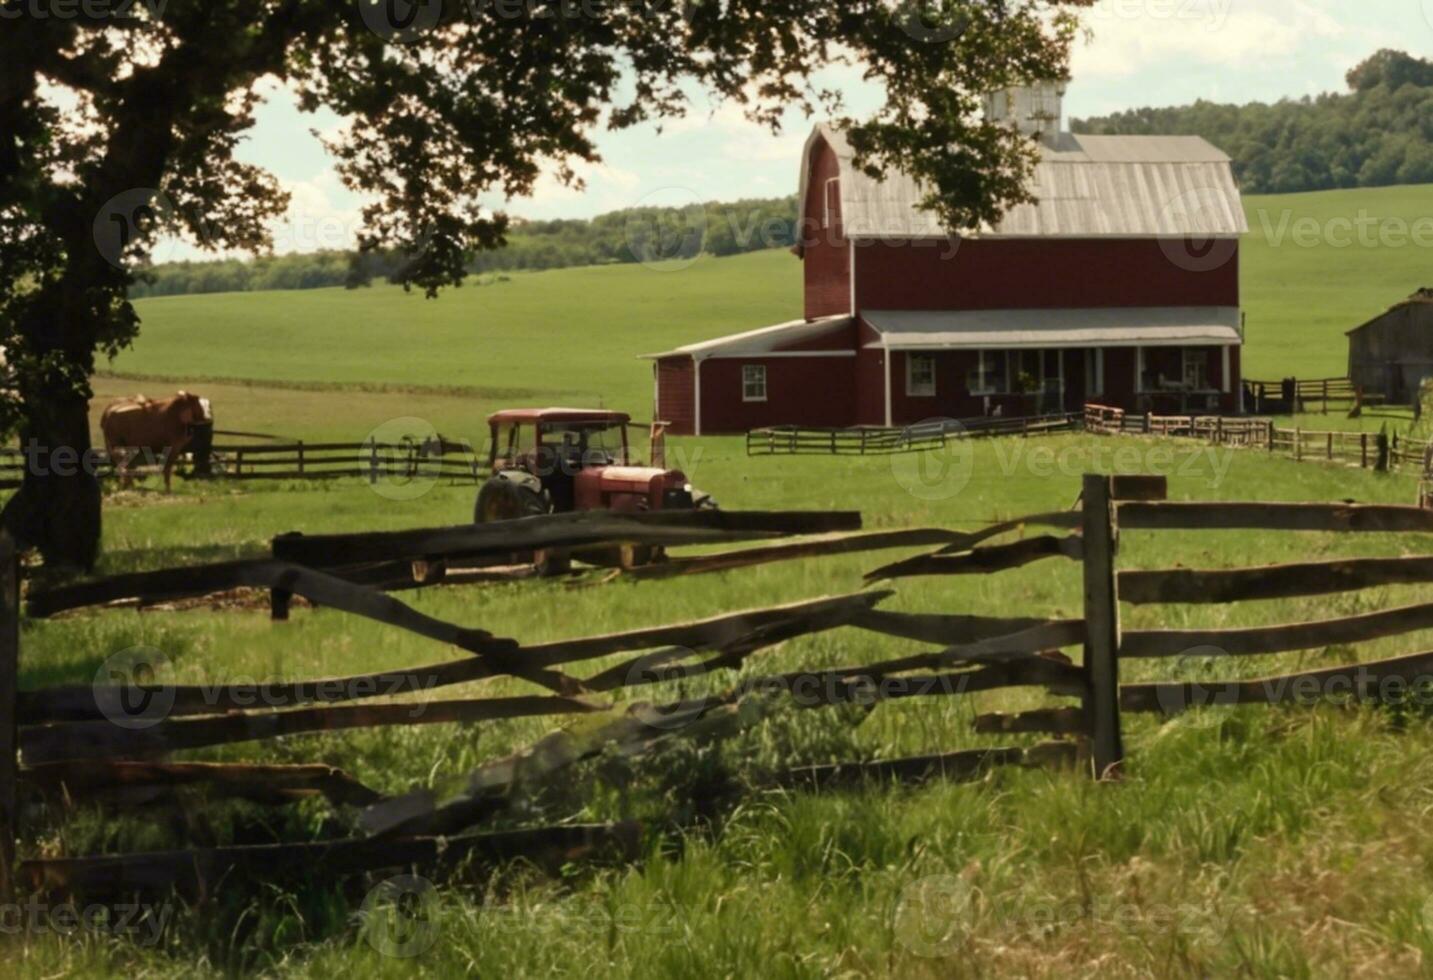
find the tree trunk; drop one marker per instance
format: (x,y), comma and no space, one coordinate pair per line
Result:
(57,508)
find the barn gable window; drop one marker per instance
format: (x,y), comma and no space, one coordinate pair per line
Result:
(753,383)
(920,376)
(990,375)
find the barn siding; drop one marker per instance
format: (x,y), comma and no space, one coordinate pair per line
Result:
(810,391)
(1394,353)
(675,395)
(1019,274)
(826,254)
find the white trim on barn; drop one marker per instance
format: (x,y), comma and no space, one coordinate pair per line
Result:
(1172,326)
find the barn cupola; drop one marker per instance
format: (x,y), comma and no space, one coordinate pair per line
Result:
(1036,109)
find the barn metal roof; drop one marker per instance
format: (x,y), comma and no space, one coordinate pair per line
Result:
(1162,326)
(1423,296)
(765,340)
(1087,187)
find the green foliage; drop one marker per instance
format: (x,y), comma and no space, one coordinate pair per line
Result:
(1379,133)
(620,237)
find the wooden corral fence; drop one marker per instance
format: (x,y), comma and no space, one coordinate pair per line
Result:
(68,745)
(297,460)
(1293,396)
(1368,450)
(786,440)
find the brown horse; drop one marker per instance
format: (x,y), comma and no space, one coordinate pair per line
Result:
(138,426)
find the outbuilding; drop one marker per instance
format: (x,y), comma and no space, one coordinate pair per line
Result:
(1392,354)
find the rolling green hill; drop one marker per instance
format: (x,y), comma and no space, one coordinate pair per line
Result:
(575,334)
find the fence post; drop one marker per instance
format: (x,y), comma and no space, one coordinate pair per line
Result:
(9,698)
(1298,444)
(1363,450)
(1269,432)
(301,457)
(1148,422)
(1330,445)
(1102,627)
(1326,396)
(373,460)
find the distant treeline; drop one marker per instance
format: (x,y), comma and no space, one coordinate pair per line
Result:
(1379,133)
(634,235)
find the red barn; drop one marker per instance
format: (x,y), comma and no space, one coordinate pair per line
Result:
(1121,285)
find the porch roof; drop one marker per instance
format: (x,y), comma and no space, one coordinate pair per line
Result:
(765,340)
(1159,326)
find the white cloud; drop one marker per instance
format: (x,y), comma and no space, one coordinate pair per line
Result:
(1131,37)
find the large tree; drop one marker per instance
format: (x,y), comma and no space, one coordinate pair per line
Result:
(119,121)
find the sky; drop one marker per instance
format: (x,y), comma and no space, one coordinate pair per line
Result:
(1137,53)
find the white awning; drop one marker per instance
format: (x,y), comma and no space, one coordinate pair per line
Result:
(1162,326)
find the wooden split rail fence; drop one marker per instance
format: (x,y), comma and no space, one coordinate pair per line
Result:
(787,440)
(1368,450)
(82,744)
(436,459)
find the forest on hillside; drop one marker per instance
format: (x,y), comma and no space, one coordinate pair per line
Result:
(1378,133)
(633,235)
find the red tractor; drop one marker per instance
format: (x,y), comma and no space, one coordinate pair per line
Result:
(556,460)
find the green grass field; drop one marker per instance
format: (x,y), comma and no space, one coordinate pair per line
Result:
(1250,842)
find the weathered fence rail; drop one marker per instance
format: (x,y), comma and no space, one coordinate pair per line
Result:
(786,440)
(73,750)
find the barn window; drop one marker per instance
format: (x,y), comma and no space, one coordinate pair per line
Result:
(920,376)
(753,383)
(1095,371)
(832,212)
(990,374)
